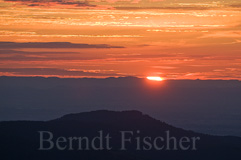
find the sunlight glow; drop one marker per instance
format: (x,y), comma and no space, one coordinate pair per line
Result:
(155,78)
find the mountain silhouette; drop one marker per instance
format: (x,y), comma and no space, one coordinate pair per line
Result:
(21,139)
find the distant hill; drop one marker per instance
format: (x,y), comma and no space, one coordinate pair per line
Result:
(21,139)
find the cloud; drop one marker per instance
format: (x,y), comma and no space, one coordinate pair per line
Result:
(223,34)
(32,57)
(53,72)
(13,45)
(162,7)
(236,5)
(2,52)
(59,4)
(117,4)
(72,3)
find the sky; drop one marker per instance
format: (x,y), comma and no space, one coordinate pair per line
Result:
(173,39)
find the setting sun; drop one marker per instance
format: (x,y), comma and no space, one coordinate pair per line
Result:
(155,78)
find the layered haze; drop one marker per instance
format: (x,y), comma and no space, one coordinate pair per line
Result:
(207,106)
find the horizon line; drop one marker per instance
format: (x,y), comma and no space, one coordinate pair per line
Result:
(118,77)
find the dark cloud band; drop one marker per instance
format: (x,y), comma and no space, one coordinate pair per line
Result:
(13,45)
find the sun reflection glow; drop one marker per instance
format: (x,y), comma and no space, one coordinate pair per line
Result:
(155,78)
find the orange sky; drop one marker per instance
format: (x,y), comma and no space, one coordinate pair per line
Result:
(142,38)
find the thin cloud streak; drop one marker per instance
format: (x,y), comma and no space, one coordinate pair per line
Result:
(53,72)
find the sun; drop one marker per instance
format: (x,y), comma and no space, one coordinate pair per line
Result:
(155,78)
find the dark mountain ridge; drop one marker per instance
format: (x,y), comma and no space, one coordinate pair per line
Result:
(21,139)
